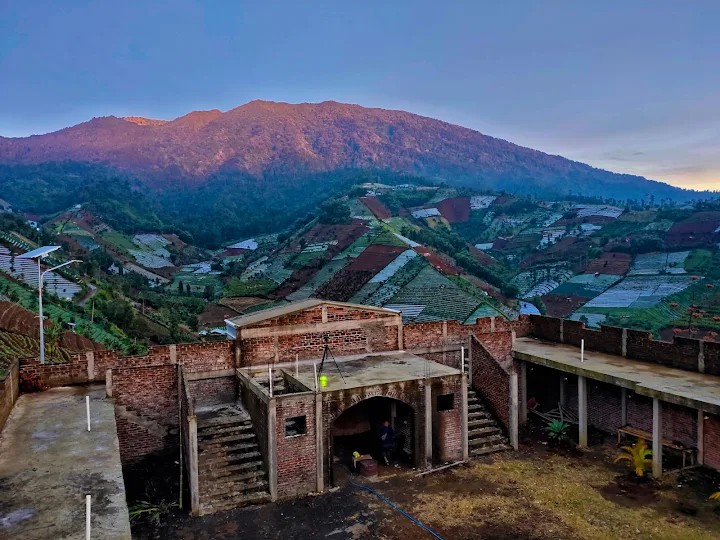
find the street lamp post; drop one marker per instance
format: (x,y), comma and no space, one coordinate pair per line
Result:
(39,254)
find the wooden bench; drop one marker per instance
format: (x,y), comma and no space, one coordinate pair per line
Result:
(641,434)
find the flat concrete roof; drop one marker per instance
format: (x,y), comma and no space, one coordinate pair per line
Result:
(678,386)
(49,462)
(370,369)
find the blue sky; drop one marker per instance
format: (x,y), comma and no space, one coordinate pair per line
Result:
(628,86)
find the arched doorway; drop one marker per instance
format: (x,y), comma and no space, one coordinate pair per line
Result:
(358,428)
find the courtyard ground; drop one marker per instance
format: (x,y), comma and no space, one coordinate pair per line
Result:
(536,493)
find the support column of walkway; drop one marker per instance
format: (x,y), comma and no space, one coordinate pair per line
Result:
(582,412)
(657,438)
(428,425)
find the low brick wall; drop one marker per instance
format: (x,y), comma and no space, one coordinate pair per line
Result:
(146,409)
(257,405)
(9,392)
(712,441)
(296,455)
(447,425)
(491,381)
(682,353)
(213,390)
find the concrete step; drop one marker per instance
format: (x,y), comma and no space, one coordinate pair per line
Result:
(222,450)
(490,440)
(228,459)
(477,423)
(222,429)
(234,502)
(479,414)
(253,475)
(489,450)
(484,432)
(220,440)
(229,470)
(223,490)
(224,421)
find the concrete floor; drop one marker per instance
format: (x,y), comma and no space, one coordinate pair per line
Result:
(371,369)
(49,462)
(678,386)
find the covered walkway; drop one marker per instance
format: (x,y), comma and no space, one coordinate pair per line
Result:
(49,462)
(663,384)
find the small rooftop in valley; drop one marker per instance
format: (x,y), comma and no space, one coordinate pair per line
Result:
(376,368)
(673,385)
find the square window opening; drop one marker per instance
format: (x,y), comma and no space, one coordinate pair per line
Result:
(297,425)
(445,402)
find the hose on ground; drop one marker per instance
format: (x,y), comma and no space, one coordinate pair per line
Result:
(397,508)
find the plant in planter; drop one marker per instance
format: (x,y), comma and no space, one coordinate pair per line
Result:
(557,431)
(638,457)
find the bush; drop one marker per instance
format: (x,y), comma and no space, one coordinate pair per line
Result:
(637,456)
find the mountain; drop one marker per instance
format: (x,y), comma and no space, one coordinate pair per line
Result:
(265,141)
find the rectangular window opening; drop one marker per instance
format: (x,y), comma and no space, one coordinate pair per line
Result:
(297,425)
(445,402)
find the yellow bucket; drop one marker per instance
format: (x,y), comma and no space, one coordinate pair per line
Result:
(323,380)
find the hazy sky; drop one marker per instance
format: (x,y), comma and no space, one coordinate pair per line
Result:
(628,86)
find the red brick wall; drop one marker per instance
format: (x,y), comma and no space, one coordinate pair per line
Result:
(678,423)
(146,409)
(712,441)
(257,408)
(447,425)
(492,382)
(296,455)
(604,406)
(8,393)
(214,391)
(208,356)
(261,350)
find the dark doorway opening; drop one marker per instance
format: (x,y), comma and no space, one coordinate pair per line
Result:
(358,429)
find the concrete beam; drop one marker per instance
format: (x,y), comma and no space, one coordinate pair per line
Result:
(514,437)
(582,412)
(428,425)
(701,437)
(657,439)
(464,415)
(315,328)
(523,393)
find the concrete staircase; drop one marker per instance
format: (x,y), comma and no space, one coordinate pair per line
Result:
(230,466)
(485,436)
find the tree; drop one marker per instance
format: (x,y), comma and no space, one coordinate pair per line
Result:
(181,287)
(333,212)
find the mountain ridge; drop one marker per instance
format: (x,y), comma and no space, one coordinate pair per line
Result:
(265,138)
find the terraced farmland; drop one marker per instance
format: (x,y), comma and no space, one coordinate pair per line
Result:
(658,263)
(640,291)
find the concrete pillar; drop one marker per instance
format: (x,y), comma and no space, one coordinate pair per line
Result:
(523,392)
(272,449)
(90,358)
(428,425)
(464,416)
(562,332)
(401,345)
(624,342)
(319,452)
(324,314)
(173,353)
(492,324)
(514,410)
(623,406)
(393,413)
(701,437)
(657,438)
(108,383)
(563,388)
(582,412)
(193,466)
(701,357)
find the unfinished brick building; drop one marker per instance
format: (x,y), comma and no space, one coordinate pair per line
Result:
(251,422)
